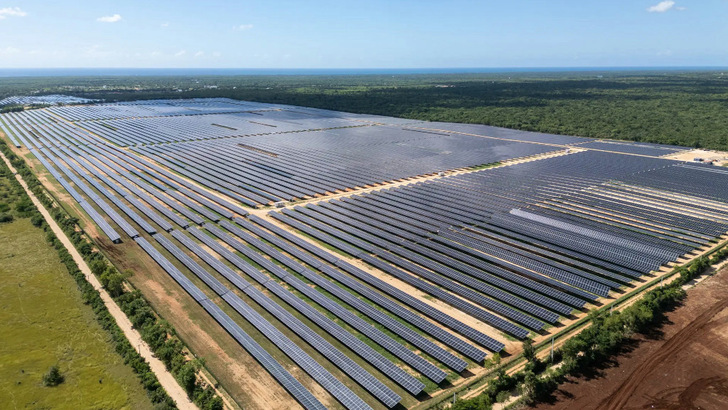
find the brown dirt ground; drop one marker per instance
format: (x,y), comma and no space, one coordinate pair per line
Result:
(689,155)
(681,365)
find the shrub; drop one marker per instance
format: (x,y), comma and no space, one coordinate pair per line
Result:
(6,218)
(187,376)
(529,353)
(111,279)
(53,377)
(502,396)
(24,205)
(37,220)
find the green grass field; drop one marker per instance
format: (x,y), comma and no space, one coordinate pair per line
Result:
(43,322)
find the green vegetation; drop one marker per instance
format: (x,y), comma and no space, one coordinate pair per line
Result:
(673,107)
(155,332)
(594,345)
(11,108)
(50,337)
(53,377)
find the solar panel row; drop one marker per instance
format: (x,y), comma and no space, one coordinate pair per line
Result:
(515,247)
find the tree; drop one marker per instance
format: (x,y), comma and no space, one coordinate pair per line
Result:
(187,376)
(115,285)
(24,205)
(111,279)
(529,387)
(98,266)
(37,220)
(529,352)
(53,377)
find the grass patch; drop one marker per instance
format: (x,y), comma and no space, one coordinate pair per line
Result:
(45,323)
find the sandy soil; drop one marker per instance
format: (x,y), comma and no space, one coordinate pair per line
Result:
(682,365)
(163,375)
(238,372)
(720,156)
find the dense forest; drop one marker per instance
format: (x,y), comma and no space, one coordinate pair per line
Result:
(673,107)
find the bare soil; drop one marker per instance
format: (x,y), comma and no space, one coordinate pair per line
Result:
(683,364)
(720,157)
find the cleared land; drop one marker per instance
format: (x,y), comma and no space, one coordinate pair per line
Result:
(681,365)
(380,282)
(43,322)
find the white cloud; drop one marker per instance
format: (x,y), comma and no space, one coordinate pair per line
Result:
(9,50)
(11,12)
(199,54)
(243,27)
(661,7)
(216,54)
(180,53)
(109,19)
(165,24)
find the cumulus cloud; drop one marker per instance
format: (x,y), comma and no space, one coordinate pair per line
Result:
(165,24)
(109,19)
(243,27)
(661,7)
(11,12)
(199,54)
(180,53)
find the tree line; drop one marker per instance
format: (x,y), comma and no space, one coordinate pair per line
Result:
(676,107)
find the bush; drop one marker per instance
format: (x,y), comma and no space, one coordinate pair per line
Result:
(37,220)
(53,377)
(6,218)
(111,279)
(529,352)
(98,267)
(25,205)
(503,396)
(187,377)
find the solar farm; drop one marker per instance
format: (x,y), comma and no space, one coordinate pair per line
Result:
(364,261)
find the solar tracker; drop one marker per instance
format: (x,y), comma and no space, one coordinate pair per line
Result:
(424,265)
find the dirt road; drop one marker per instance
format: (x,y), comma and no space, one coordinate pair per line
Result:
(163,375)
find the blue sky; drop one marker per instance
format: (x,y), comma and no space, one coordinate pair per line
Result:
(363,34)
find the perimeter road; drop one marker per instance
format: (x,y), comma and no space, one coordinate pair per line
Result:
(163,375)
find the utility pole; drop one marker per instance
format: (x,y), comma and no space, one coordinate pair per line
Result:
(552,349)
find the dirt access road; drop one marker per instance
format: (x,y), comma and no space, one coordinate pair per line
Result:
(682,365)
(163,375)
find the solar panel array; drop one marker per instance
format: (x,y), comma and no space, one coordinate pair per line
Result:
(422,280)
(285,166)
(529,242)
(652,150)
(52,99)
